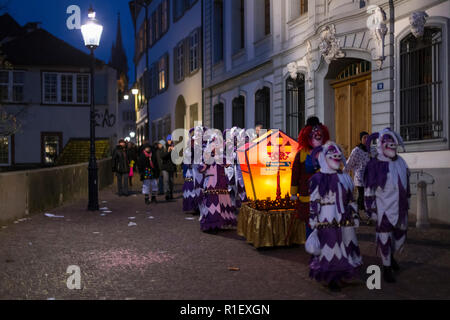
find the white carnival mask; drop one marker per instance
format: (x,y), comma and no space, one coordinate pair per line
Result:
(389,146)
(333,157)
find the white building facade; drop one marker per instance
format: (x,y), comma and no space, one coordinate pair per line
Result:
(168,67)
(357,65)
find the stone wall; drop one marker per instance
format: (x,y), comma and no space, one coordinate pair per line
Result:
(27,192)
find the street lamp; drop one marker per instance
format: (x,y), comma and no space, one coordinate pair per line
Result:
(126,97)
(135,91)
(132,134)
(92,32)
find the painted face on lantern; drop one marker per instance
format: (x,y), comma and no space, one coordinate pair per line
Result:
(316,137)
(389,146)
(333,158)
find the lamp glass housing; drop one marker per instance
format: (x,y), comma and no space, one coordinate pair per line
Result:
(92,32)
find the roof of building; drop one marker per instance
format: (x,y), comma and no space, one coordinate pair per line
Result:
(36,46)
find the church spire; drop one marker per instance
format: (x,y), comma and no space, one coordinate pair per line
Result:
(119,58)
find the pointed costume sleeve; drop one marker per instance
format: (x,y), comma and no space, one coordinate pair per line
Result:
(369,191)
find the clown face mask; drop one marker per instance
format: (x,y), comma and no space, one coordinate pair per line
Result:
(316,137)
(389,146)
(333,158)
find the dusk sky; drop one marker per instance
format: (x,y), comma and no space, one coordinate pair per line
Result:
(52,14)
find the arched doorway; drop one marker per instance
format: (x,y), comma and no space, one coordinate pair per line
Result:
(352,84)
(180,113)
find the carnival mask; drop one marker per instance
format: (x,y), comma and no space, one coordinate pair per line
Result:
(389,146)
(316,137)
(333,157)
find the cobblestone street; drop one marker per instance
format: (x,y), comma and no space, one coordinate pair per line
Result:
(166,256)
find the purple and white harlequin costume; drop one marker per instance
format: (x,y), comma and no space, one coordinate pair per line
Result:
(387,193)
(333,218)
(216,208)
(190,200)
(233,171)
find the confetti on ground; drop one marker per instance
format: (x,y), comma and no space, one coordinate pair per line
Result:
(104,208)
(96,232)
(103,214)
(51,215)
(233,269)
(104,201)
(189,218)
(151,217)
(50,298)
(131,218)
(132,224)
(107,211)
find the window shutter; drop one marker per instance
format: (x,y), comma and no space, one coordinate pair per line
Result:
(147,83)
(166,71)
(175,64)
(199,48)
(187,54)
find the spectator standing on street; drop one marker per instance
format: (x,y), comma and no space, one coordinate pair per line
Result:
(158,147)
(149,171)
(120,166)
(357,163)
(168,167)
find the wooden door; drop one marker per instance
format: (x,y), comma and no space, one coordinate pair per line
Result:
(352,107)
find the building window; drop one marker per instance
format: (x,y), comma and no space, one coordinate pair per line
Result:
(5,151)
(262,107)
(295,105)
(266,17)
(303,6)
(239,112)
(298,8)
(83,88)
(218,117)
(51,144)
(179,62)
(218,31)
(65,88)
(238,25)
(163,73)
(194,51)
(421,96)
(164,16)
(11,86)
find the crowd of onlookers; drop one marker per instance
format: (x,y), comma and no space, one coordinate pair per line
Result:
(151,162)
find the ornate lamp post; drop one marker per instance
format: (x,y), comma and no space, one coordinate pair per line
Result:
(92,32)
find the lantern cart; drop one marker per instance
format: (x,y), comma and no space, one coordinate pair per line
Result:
(269,218)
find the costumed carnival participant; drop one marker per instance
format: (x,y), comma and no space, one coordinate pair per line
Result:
(314,134)
(194,156)
(216,208)
(387,197)
(356,163)
(333,218)
(189,194)
(149,171)
(236,185)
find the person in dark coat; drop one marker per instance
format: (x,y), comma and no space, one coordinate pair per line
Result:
(168,168)
(120,166)
(149,171)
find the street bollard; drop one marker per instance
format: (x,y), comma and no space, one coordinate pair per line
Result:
(422,205)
